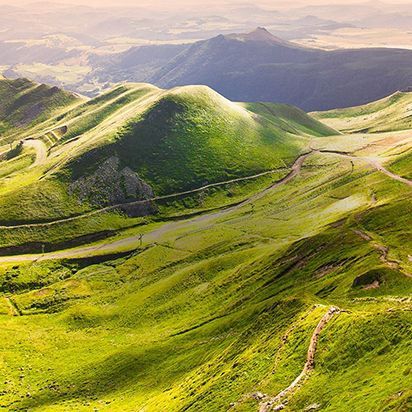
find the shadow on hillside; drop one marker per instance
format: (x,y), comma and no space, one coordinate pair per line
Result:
(137,368)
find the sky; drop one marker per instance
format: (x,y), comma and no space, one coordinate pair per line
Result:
(182,3)
(188,6)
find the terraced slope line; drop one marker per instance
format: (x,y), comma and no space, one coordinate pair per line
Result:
(25,104)
(270,403)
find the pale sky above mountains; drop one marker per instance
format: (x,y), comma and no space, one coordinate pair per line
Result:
(185,3)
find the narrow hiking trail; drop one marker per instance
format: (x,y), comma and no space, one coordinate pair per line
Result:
(383,251)
(41,151)
(154,235)
(295,169)
(274,403)
(387,172)
(39,147)
(373,161)
(13,310)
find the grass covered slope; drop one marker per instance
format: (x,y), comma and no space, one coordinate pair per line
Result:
(211,305)
(290,119)
(389,114)
(137,142)
(210,311)
(25,104)
(191,136)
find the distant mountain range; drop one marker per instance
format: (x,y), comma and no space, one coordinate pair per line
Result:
(261,67)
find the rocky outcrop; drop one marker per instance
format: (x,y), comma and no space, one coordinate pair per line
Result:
(111,185)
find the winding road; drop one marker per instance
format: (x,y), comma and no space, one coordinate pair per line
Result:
(132,242)
(295,169)
(373,161)
(41,156)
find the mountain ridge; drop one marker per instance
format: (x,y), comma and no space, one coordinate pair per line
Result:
(260,67)
(260,34)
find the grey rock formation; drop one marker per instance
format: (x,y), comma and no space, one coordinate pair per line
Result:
(111,185)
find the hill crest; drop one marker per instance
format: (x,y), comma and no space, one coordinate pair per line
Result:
(260,34)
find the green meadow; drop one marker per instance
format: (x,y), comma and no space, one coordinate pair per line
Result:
(204,288)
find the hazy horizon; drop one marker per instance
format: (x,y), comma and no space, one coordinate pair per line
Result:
(184,3)
(64,41)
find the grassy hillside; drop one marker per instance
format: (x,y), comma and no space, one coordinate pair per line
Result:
(137,142)
(24,104)
(210,305)
(387,115)
(290,119)
(192,136)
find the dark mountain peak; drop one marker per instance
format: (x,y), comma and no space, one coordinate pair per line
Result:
(260,34)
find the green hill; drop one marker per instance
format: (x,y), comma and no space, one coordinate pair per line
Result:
(137,142)
(387,115)
(25,104)
(192,136)
(293,263)
(290,119)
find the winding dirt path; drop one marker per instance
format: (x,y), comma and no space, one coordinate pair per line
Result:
(387,172)
(374,162)
(41,153)
(133,241)
(274,403)
(383,251)
(40,148)
(13,309)
(295,170)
